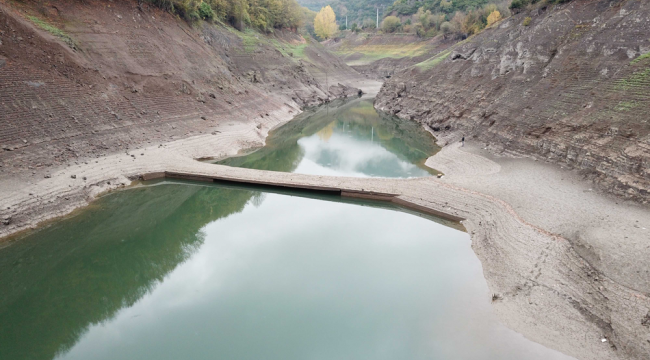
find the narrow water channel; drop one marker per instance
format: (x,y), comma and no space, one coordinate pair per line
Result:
(180,270)
(345,138)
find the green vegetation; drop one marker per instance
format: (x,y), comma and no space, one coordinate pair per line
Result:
(527,21)
(361,12)
(296,51)
(54,31)
(430,63)
(638,79)
(372,53)
(640,58)
(518,5)
(391,24)
(249,37)
(453,19)
(264,15)
(406,7)
(626,105)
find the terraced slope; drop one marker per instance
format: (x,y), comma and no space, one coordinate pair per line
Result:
(79,80)
(573,87)
(381,55)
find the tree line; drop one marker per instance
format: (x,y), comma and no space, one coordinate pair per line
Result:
(457,19)
(264,15)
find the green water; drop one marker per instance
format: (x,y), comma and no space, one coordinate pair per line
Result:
(180,270)
(191,271)
(345,138)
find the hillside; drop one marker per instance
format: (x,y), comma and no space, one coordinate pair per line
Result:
(571,86)
(356,10)
(84,79)
(379,55)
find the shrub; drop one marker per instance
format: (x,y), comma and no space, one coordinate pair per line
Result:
(205,11)
(431,32)
(527,21)
(390,24)
(519,4)
(446,28)
(369,24)
(493,17)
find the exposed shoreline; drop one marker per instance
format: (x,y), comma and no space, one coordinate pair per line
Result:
(549,289)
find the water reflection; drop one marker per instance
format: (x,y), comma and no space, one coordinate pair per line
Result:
(193,271)
(345,138)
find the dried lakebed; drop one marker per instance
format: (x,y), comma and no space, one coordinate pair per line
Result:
(175,269)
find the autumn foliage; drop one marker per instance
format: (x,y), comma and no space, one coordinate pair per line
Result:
(325,23)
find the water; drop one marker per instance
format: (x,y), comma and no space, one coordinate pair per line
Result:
(179,270)
(345,138)
(192,271)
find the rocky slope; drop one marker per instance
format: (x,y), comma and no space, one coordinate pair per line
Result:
(79,80)
(572,87)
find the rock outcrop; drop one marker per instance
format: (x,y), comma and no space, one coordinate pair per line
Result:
(572,87)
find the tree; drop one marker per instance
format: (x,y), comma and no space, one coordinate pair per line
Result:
(368,24)
(325,23)
(390,24)
(493,17)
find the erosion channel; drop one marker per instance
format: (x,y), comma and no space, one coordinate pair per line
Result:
(170,269)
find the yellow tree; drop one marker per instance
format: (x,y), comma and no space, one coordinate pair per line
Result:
(325,23)
(493,17)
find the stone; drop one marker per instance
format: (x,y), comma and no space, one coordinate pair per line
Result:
(73,176)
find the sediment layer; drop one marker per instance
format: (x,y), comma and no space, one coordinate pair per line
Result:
(570,85)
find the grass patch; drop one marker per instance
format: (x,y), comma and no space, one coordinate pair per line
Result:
(638,79)
(54,31)
(430,63)
(296,51)
(250,38)
(640,58)
(626,105)
(371,53)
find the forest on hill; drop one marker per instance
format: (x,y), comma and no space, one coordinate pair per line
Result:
(357,11)
(454,19)
(263,15)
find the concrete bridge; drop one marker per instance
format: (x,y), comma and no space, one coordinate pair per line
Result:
(395,191)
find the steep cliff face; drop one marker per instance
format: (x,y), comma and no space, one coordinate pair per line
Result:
(79,80)
(571,85)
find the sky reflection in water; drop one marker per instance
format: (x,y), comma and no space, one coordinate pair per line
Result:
(345,138)
(201,272)
(178,270)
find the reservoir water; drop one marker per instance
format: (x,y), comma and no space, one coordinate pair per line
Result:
(180,270)
(345,138)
